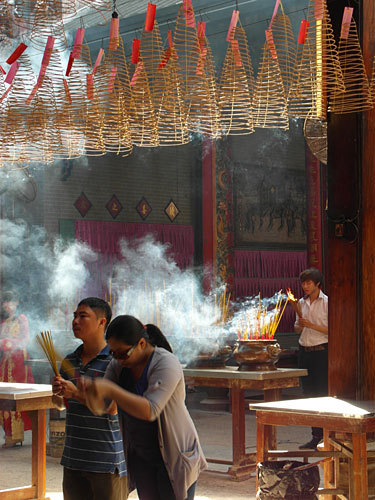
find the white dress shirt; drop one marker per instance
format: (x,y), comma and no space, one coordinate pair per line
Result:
(317,313)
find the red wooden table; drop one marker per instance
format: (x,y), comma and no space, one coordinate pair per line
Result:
(270,382)
(35,399)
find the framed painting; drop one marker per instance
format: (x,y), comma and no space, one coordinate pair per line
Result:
(270,207)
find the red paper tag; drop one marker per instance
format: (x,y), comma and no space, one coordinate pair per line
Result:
(319,9)
(3,70)
(137,72)
(201,30)
(67,91)
(189,13)
(89,86)
(12,72)
(16,54)
(236,52)
(112,79)
(70,64)
(150,17)
(271,44)
(98,60)
(303,31)
(135,51)
(233,24)
(166,57)
(274,13)
(346,20)
(170,41)
(114,33)
(78,43)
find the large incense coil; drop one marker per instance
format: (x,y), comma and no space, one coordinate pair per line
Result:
(171,114)
(115,130)
(319,57)
(143,123)
(15,111)
(203,110)
(235,88)
(151,53)
(285,46)
(357,95)
(93,127)
(185,41)
(43,134)
(6,22)
(48,21)
(302,96)
(372,82)
(269,102)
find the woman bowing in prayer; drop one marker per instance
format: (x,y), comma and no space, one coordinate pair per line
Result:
(14,336)
(162,448)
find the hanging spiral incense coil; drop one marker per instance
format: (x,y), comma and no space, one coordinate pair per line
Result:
(357,95)
(6,22)
(48,21)
(285,46)
(151,52)
(372,82)
(203,110)
(319,61)
(269,102)
(186,44)
(171,114)
(236,86)
(143,123)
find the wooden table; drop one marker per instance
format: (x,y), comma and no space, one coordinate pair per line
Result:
(333,415)
(270,382)
(35,399)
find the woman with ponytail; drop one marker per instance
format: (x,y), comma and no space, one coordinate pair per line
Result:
(164,457)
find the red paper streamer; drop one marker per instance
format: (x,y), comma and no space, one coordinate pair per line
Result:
(136,50)
(89,86)
(137,72)
(271,44)
(70,64)
(236,52)
(150,17)
(78,43)
(189,13)
(114,33)
(98,60)
(274,13)
(166,57)
(112,79)
(346,20)
(170,41)
(303,31)
(67,91)
(201,30)
(12,72)
(3,70)
(233,24)
(16,54)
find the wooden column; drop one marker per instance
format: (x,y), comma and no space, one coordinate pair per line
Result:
(367,268)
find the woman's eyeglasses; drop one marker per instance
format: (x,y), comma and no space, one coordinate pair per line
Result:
(124,354)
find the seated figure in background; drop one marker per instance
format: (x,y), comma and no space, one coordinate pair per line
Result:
(14,336)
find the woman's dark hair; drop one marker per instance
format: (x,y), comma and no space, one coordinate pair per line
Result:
(98,306)
(130,330)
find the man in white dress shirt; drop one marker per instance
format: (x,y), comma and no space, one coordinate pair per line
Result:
(313,341)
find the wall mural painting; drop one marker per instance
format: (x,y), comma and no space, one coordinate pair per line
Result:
(270,206)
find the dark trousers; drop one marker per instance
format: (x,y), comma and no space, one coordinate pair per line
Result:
(83,485)
(315,384)
(152,480)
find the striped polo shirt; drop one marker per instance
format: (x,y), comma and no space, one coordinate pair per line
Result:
(92,443)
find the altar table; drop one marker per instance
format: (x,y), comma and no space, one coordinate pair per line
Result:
(35,399)
(270,382)
(333,415)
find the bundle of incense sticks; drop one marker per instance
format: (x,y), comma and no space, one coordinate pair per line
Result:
(294,303)
(46,342)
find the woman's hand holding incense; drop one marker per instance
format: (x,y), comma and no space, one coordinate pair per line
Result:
(96,391)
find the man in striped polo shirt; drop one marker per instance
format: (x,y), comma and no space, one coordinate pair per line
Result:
(93,456)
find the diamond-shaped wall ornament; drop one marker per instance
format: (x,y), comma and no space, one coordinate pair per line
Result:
(143,208)
(114,207)
(83,204)
(172,210)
